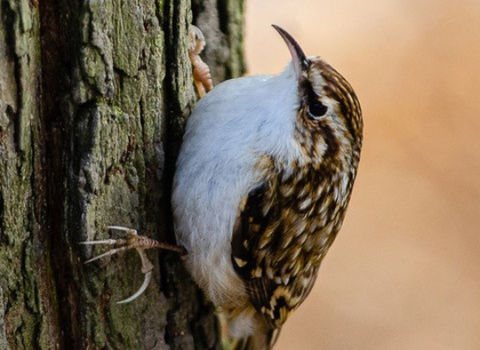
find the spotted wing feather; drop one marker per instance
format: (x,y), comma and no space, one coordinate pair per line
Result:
(268,253)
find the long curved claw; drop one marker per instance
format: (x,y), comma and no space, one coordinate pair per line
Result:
(110,252)
(147,267)
(101,241)
(122,228)
(140,244)
(146,282)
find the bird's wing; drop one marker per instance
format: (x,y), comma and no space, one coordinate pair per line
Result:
(268,253)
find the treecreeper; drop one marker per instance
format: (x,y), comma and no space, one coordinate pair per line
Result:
(262,183)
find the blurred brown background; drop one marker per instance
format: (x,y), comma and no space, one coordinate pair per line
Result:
(404,273)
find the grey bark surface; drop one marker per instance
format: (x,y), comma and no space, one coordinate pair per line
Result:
(94,97)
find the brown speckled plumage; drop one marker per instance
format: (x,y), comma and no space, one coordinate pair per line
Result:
(287,223)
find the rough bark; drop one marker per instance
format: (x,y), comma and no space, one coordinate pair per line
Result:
(94,96)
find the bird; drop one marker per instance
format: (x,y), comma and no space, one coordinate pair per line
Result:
(262,182)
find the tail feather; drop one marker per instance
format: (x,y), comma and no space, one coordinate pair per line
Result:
(258,341)
(244,329)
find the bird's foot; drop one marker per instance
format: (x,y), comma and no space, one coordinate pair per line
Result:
(200,70)
(140,244)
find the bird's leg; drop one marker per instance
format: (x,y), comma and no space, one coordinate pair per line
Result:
(200,70)
(140,244)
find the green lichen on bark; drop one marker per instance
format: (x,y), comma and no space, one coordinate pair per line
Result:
(94,97)
(116,171)
(27,316)
(232,23)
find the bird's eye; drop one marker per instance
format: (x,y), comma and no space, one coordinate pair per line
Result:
(317,109)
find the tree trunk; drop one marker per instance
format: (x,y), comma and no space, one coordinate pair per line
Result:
(94,96)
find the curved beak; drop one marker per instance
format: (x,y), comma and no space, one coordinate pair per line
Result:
(300,62)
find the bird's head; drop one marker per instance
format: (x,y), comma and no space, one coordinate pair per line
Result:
(328,123)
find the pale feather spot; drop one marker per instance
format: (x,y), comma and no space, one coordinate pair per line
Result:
(240,262)
(335,194)
(303,192)
(263,242)
(269,231)
(296,253)
(296,270)
(266,208)
(257,273)
(287,190)
(308,266)
(303,238)
(305,204)
(287,241)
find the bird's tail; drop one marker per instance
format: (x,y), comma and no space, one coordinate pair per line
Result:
(257,341)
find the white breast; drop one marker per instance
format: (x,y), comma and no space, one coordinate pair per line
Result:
(229,129)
